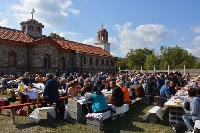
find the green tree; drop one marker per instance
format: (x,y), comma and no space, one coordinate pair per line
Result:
(137,58)
(152,60)
(123,63)
(176,58)
(54,35)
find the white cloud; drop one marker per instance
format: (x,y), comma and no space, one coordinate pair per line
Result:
(196,40)
(68,34)
(182,38)
(196,29)
(5,23)
(114,54)
(74,11)
(194,50)
(142,36)
(50,12)
(114,43)
(89,41)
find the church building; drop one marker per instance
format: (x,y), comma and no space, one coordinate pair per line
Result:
(28,50)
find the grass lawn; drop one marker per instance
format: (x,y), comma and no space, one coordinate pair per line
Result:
(130,123)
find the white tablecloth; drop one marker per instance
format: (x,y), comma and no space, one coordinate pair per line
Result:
(41,113)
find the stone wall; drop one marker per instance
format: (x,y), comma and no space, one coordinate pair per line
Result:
(35,63)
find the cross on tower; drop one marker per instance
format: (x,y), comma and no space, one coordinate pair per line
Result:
(32,12)
(102,25)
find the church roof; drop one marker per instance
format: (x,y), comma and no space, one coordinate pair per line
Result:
(82,47)
(19,36)
(14,35)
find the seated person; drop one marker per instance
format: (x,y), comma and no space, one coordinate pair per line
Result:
(125,91)
(51,89)
(195,85)
(98,99)
(72,90)
(85,88)
(63,83)
(139,90)
(26,79)
(194,113)
(117,98)
(164,91)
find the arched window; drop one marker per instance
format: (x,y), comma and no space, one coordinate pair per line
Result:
(106,37)
(62,63)
(99,37)
(103,37)
(46,61)
(11,59)
(84,60)
(97,62)
(31,28)
(102,62)
(38,29)
(112,63)
(91,61)
(107,64)
(24,28)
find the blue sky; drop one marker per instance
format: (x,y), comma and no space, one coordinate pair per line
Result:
(131,24)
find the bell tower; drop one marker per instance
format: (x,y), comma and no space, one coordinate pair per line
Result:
(32,27)
(102,39)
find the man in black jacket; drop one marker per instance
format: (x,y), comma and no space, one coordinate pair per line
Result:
(117,97)
(176,83)
(51,89)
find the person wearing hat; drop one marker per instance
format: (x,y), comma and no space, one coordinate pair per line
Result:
(165,91)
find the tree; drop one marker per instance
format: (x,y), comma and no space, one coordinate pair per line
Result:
(54,35)
(152,60)
(137,58)
(123,63)
(176,57)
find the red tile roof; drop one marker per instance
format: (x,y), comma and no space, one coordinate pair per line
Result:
(19,36)
(14,35)
(82,47)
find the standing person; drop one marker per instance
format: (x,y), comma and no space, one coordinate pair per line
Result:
(194,113)
(51,89)
(117,98)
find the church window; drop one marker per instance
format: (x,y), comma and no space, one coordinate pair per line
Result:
(97,62)
(103,37)
(84,60)
(91,61)
(31,28)
(46,62)
(11,59)
(62,63)
(102,62)
(112,63)
(38,29)
(24,28)
(107,64)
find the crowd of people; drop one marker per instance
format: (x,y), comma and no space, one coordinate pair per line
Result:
(120,85)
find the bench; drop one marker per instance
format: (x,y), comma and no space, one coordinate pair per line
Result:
(95,120)
(154,113)
(136,100)
(197,126)
(13,109)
